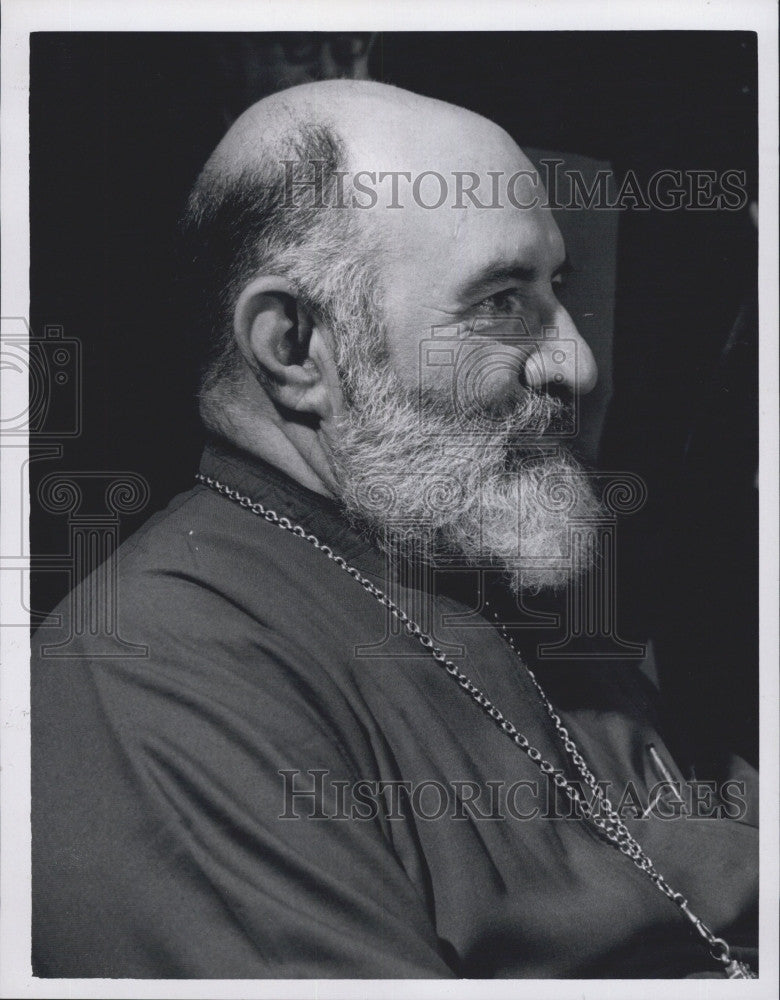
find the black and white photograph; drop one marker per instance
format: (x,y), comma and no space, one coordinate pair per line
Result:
(389,465)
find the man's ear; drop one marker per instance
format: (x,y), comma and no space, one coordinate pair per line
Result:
(286,347)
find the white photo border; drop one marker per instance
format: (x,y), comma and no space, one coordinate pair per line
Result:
(20,18)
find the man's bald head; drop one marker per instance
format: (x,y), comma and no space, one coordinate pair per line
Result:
(281,196)
(241,219)
(380,125)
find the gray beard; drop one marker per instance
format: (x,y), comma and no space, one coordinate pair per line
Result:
(425,479)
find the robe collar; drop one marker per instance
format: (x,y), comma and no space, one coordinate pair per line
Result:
(322,516)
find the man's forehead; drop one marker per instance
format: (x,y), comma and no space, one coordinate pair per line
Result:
(469,188)
(456,144)
(450,246)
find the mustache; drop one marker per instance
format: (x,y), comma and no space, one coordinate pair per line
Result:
(527,415)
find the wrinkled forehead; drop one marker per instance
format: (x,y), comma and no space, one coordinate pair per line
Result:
(463,215)
(441,208)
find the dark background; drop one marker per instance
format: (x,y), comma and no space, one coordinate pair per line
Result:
(121,124)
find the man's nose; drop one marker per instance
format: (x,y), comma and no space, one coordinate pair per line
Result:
(561,358)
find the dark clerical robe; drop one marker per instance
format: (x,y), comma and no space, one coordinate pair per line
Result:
(173,835)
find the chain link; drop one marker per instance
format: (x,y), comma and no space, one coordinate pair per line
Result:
(612,827)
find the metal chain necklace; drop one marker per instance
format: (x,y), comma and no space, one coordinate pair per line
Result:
(600,811)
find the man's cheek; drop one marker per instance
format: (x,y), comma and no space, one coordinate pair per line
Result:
(487,377)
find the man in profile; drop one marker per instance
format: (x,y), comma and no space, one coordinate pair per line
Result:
(253,798)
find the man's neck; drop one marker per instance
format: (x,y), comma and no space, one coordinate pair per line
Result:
(296,449)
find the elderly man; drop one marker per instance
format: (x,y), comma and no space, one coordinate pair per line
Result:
(331,761)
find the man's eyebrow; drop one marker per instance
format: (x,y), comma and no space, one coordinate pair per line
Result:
(499,273)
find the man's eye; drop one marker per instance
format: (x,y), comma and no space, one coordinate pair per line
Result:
(561,279)
(507,303)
